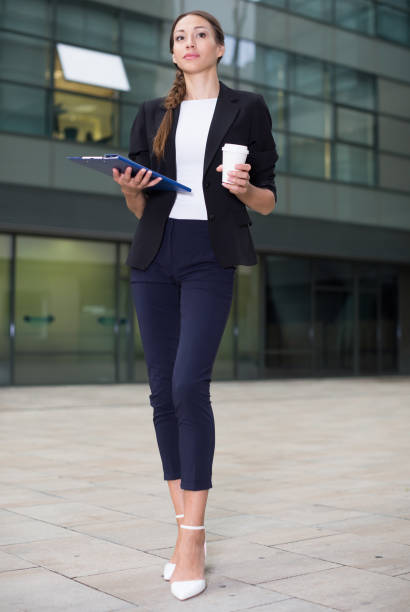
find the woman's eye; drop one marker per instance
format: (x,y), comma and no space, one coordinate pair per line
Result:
(200,34)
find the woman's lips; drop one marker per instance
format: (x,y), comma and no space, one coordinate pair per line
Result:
(190,56)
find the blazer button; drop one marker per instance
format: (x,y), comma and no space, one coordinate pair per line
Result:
(207,184)
(211,217)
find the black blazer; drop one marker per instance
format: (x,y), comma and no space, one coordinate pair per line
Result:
(240,117)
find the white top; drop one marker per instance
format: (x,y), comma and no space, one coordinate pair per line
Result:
(195,117)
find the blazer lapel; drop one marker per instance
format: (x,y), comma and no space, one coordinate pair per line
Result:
(226,109)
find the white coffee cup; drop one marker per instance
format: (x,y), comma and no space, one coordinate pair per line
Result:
(232,154)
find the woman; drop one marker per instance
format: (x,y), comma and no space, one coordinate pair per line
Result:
(183,258)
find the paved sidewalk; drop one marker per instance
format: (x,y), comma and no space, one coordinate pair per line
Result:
(309,510)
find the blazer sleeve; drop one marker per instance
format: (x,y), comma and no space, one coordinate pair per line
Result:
(262,148)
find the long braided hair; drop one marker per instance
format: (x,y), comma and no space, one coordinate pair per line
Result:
(178,89)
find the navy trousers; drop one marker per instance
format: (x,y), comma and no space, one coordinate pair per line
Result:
(182,302)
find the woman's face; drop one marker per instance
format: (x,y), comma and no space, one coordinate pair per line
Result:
(195,48)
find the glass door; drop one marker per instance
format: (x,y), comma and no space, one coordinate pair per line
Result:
(71,324)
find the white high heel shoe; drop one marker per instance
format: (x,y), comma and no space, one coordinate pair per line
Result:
(183,589)
(169,567)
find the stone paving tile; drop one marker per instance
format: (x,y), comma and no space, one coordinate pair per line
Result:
(10,562)
(347,588)
(270,564)
(80,555)
(391,528)
(14,497)
(145,587)
(70,513)
(141,534)
(37,590)
(28,531)
(366,552)
(314,480)
(293,604)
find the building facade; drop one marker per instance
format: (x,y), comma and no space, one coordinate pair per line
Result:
(330,295)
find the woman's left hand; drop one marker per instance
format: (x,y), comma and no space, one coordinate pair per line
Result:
(239,177)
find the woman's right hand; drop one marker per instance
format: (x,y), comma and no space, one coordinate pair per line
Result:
(132,186)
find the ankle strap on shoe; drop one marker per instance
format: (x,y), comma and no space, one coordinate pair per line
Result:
(178,515)
(193,526)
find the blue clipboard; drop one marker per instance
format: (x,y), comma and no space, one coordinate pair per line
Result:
(106,163)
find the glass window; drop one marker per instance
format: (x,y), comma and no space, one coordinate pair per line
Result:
(309,76)
(128,113)
(31,16)
(389,318)
(226,66)
(393,24)
(277,3)
(404,4)
(147,81)
(22,109)
(146,37)
(24,59)
(90,26)
(310,117)
(332,273)
(334,324)
(309,157)
(288,315)
(355,126)
(83,119)
(356,15)
(275,100)
(317,9)
(354,88)
(355,164)
(249,336)
(5,257)
(262,65)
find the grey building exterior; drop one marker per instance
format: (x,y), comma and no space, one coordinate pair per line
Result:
(330,295)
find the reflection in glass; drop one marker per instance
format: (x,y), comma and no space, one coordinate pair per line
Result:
(356,15)
(146,81)
(5,257)
(146,37)
(354,88)
(276,3)
(65,311)
(334,331)
(310,117)
(22,109)
(262,65)
(393,25)
(24,59)
(317,9)
(355,164)
(389,319)
(288,316)
(224,362)
(309,157)
(309,76)
(87,25)
(368,341)
(249,322)
(355,126)
(31,16)
(333,273)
